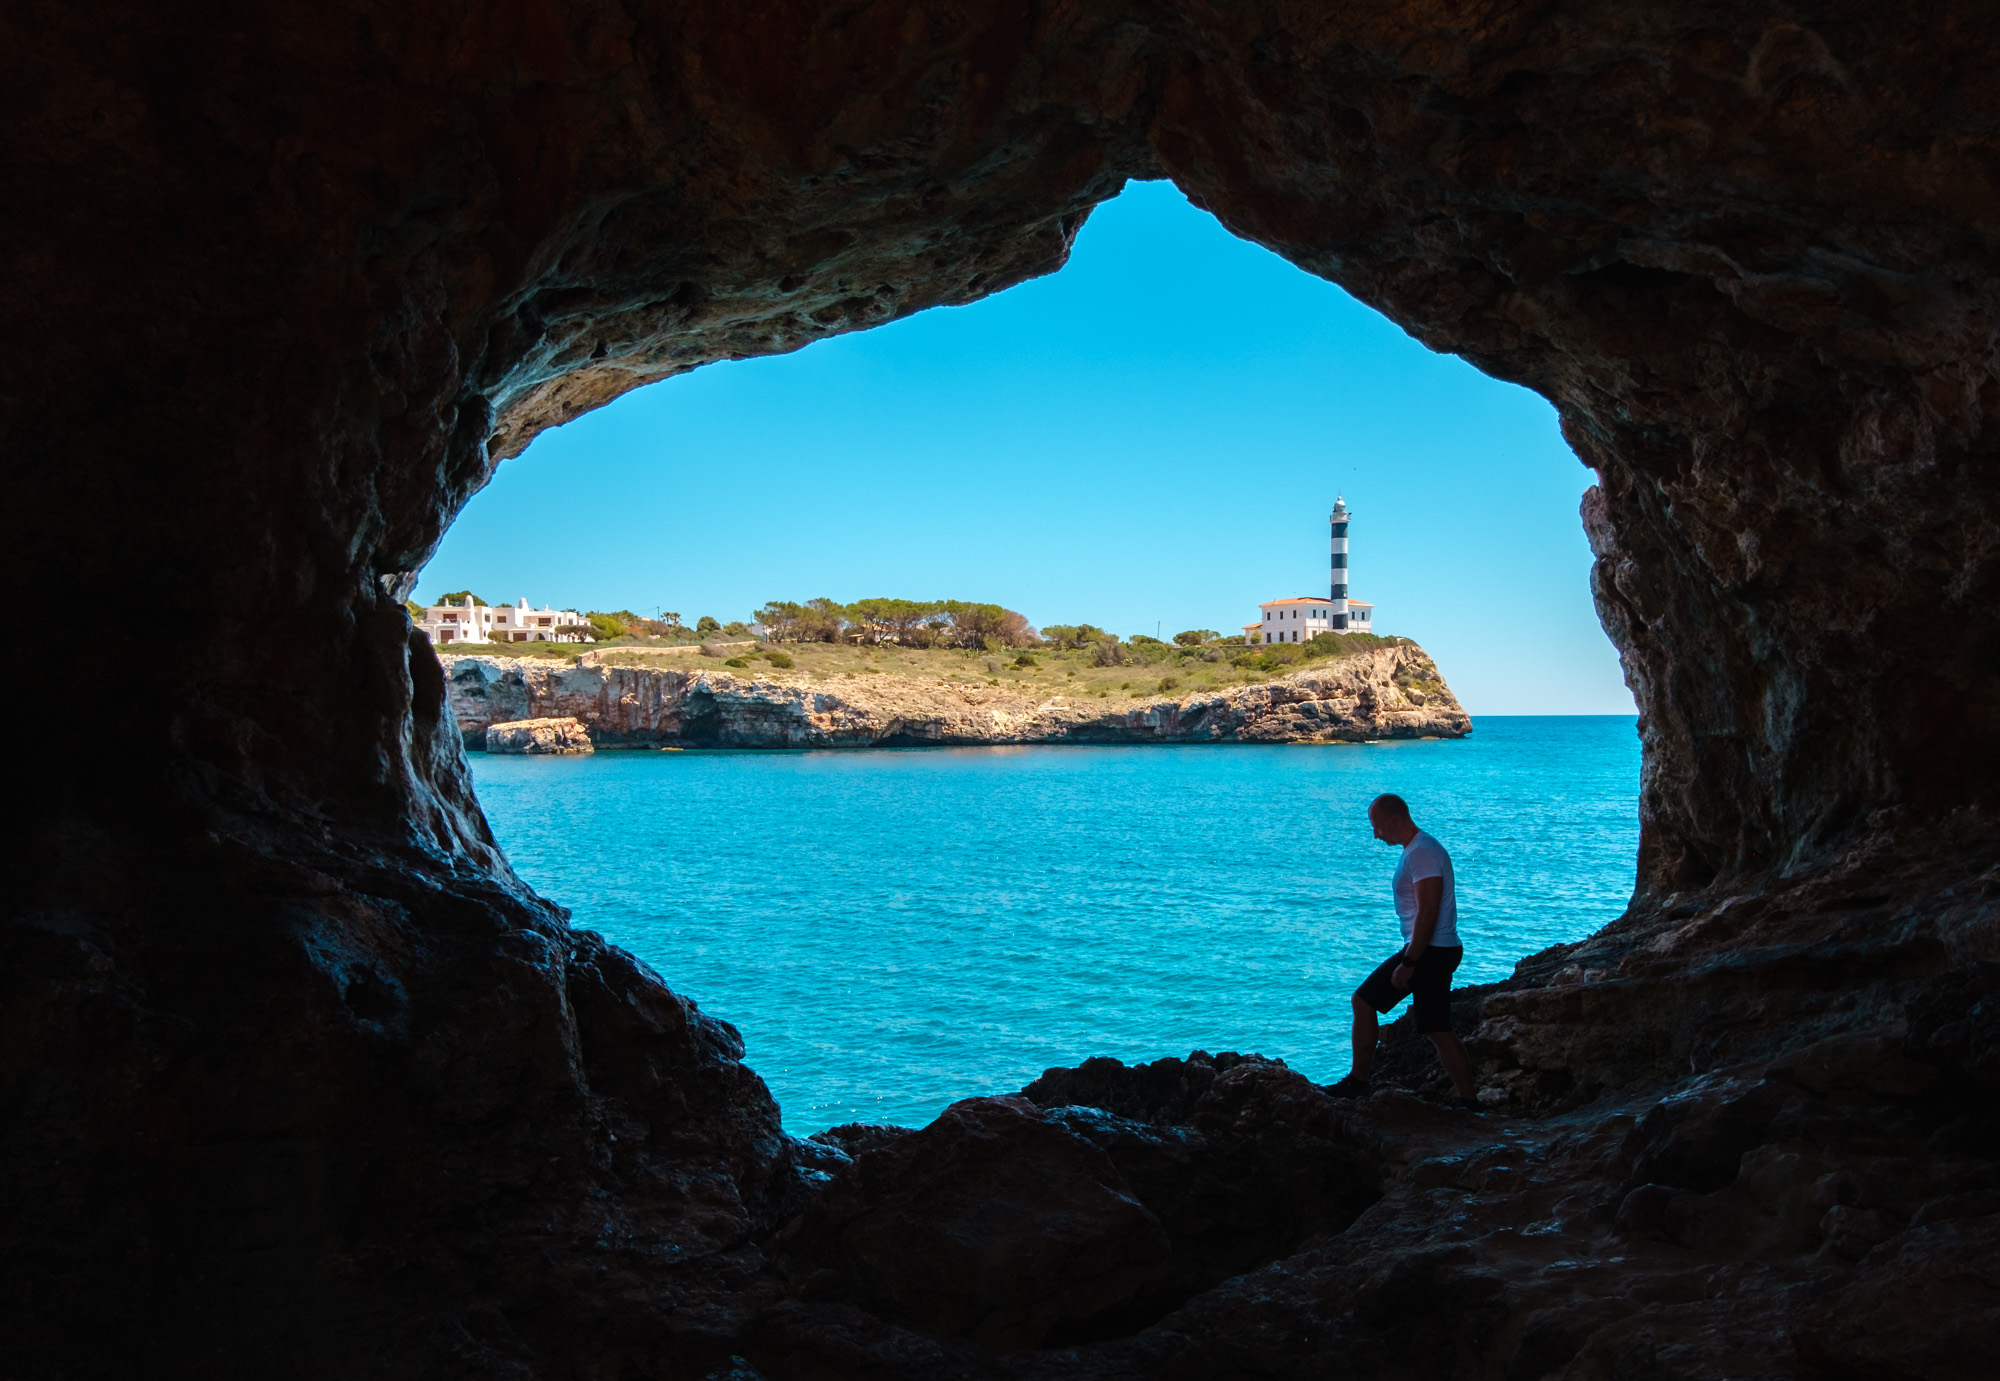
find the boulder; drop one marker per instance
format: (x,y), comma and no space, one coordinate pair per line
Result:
(1243,1160)
(538,736)
(1014,1225)
(995,1223)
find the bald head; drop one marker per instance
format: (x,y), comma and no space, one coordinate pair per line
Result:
(1390,815)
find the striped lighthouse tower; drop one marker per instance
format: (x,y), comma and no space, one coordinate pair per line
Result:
(1339,519)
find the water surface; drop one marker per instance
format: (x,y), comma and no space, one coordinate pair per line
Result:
(893,930)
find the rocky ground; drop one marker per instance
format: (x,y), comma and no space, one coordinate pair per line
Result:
(1382,692)
(1697,1158)
(1810,1198)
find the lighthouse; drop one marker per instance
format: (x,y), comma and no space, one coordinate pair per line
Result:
(1302,618)
(1338,519)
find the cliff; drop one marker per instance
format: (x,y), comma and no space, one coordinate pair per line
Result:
(1384,692)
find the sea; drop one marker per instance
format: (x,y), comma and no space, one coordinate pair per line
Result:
(892,930)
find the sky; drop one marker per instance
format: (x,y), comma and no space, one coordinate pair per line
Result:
(1149,439)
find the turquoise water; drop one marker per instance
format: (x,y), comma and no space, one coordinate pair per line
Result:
(894,930)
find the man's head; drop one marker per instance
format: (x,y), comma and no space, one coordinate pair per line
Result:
(1390,815)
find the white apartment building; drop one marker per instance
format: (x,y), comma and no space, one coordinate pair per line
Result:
(502,623)
(1300,619)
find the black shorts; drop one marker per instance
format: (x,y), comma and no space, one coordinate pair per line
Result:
(1430,985)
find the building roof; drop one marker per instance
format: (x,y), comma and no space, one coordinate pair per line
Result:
(1302,599)
(1362,602)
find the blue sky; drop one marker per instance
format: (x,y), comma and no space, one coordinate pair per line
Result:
(1150,438)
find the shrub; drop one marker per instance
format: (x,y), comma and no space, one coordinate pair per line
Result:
(1167,683)
(735,661)
(736,628)
(1108,654)
(1195,637)
(706,625)
(711,650)
(992,665)
(1024,660)
(781,660)
(1076,635)
(1141,640)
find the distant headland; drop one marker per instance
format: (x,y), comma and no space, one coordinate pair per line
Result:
(888,672)
(1082,689)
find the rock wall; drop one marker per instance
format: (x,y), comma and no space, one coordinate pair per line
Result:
(1393,692)
(296,1077)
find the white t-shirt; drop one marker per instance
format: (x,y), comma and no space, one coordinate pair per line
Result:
(1424,857)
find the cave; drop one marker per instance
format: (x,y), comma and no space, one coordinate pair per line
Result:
(300,1079)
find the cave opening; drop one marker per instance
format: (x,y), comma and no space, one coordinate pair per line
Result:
(1146,431)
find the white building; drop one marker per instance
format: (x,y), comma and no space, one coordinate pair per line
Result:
(502,623)
(1300,619)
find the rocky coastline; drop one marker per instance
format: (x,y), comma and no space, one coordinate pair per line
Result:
(1390,692)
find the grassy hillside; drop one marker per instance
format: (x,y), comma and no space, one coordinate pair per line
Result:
(1104,670)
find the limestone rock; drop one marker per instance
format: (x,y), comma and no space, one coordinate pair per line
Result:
(563,735)
(1392,692)
(993,1223)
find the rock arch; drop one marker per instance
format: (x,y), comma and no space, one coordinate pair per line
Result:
(287,1043)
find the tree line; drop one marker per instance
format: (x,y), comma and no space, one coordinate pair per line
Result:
(947,623)
(910,622)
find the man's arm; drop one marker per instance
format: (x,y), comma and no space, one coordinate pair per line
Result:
(1430,900)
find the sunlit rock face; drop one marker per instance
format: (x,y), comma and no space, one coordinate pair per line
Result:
(1381,693)
(299,1078)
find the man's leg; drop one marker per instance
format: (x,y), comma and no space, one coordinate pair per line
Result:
(1366,1030)
(1376,994)
(1452,1056)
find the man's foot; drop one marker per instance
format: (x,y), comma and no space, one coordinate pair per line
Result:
(1350,1087)
(1467,1105)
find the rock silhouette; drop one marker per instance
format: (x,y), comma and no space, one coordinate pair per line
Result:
(300,1079)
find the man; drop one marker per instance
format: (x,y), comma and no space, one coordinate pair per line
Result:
(1427,906)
